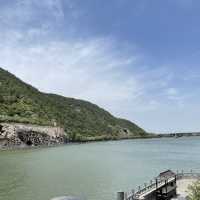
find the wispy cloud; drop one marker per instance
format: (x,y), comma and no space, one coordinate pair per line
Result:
(99,69)
(90,70)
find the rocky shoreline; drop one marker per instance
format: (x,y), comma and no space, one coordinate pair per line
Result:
(13,135)
(27,136)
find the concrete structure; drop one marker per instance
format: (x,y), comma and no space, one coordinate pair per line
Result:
(182,188)
(167,186)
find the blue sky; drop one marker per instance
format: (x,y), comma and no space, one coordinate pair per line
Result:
(139,59)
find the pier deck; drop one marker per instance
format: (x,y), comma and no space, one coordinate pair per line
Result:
(164,187)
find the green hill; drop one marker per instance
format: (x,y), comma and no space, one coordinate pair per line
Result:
(22,103)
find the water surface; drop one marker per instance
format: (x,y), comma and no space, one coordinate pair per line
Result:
(96,170)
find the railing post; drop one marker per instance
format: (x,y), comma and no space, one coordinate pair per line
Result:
(166,186)
(125,195)
(120,196)
(175,178)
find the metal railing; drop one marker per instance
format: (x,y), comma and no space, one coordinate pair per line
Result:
(187,175)
(157,183)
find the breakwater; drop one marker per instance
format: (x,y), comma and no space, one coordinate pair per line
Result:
(25,135)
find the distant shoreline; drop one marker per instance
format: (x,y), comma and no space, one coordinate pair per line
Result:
(177,135)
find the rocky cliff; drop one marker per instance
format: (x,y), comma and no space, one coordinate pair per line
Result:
(24,135)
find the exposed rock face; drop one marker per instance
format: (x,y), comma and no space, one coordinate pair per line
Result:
(12,135)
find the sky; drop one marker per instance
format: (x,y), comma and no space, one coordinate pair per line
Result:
(138,59)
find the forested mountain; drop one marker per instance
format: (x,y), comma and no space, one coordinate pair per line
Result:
(82,120)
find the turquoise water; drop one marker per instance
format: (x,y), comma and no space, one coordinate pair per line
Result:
(95,171)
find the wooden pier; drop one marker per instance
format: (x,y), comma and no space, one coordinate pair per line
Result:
(163,187)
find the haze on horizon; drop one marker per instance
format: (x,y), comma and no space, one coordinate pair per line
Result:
(138,59)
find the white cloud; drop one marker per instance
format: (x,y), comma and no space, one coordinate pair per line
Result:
(172,91)
(98,69)
(172,94)
(84,69)
(24,11)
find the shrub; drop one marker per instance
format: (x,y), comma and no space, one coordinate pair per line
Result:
(194,191)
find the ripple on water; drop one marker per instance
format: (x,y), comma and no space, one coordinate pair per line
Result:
(92,170)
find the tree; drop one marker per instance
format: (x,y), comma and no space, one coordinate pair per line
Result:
(194,191)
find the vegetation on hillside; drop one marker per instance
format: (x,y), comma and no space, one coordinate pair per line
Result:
(22,103)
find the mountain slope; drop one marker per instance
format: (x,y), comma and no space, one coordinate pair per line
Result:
(22,103)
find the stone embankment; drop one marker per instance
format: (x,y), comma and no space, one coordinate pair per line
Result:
(24,135)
